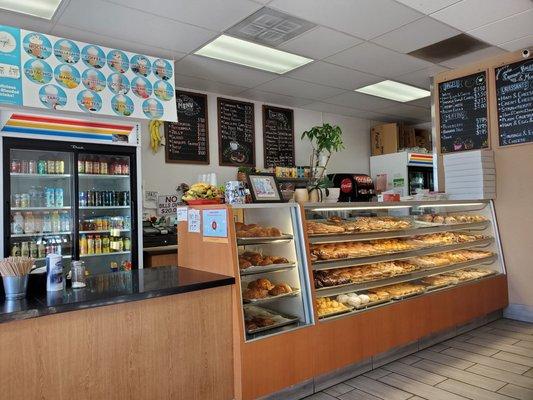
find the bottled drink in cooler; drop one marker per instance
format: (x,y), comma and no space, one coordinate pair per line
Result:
(18,223)
(32,165)
(59,197)
(81,166)
(41,250)
(97,244)
(60,166)
(83,245)
(24,200)
(49,197)
(65,222)
(24,249)
(15,250)
(51,166)
(56,223)
(29,225)
(42,167)
(34,253)
(47,222)
(83,199)
(90,244)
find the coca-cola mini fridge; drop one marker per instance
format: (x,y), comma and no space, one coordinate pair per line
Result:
(70,188)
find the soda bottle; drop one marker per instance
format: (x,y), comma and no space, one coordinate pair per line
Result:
(97,245)
(15,250)
(25,249)
(33,250)
(90,244)
(83,245)
(105,244)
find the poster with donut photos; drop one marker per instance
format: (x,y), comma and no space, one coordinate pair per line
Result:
(63,74)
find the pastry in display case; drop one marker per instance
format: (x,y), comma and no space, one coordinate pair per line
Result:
(374,254)
(273,271)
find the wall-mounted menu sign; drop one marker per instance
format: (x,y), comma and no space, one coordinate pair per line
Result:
(278,137)
(187,141)
(463,113)
(236,133)
(514,99)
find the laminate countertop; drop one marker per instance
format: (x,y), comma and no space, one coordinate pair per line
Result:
(112,288)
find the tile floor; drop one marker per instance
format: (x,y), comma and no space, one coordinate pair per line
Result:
(493,362)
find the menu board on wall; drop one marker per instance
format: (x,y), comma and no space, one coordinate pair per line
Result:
(45,71)
(236,133)
(514,99)
(187,141)
(278,137)
(463,113)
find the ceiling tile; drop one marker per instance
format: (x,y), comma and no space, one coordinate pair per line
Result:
(221,71)
(421,78)
(274,98)
(417,34)
(216,15)
(507,29)
(94,38)
(187,82)
(470,14)
(360,101)
(362,18)
(472,57)
(133,25)
(340,110)
(371,58)
(428,6)
(424,102)
(319,43)
(524,42)
(296,88)
(333,75)
(25,21)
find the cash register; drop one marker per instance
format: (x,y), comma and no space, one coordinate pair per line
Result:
(158,235)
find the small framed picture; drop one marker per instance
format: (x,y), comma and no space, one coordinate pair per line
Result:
(264,188)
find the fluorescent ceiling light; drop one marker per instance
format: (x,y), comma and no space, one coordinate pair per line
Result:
(37,8)
(227,48)
(394,91)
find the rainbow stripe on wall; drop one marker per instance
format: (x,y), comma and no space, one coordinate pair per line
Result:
(422,160)
(66,128)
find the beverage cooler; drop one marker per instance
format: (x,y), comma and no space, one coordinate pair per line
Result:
(70,197)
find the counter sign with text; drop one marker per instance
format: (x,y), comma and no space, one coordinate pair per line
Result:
(166,205)
(215,223)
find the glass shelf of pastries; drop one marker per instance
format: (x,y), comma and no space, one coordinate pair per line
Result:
(366,255)
(273,269)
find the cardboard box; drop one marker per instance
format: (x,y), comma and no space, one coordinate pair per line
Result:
(384,139)
(407,137)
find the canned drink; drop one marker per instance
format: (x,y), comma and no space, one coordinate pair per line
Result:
(24,166)
(42,167)
(15,166)
(51,166)
(32,167)
(54,273)
(59,197)
(49,197)
(60,166)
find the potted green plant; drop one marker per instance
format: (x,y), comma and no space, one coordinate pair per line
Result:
(325,140)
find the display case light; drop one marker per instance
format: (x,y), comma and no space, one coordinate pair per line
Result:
(37,8)
(449,205)
(358,208)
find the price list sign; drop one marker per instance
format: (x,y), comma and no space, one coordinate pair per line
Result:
(463,114)
(514,100)
(278,137)
(187,141)
(236,133)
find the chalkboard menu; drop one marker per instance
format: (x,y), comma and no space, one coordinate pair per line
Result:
(463,113)
(278,137)
(187,141)
(514,99)
(236,133)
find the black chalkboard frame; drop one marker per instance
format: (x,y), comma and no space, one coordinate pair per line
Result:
(453,76)
(284,110)
(494,92)
(221,100)
(207,161)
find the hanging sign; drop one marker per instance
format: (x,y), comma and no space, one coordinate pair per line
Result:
(44,71)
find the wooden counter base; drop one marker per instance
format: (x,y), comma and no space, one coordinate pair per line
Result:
(173,347)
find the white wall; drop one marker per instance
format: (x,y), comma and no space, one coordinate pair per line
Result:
(164,178)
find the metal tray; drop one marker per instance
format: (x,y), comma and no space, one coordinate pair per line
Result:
(294,292)
(284,319)
(372,303)
(406,296)
(348,309)
(243,241)
(258,269)
(443,285)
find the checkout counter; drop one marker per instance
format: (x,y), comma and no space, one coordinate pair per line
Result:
(160,246)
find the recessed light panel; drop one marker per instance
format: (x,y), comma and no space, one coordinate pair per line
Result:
(37,8)
(227,48)
(394,91)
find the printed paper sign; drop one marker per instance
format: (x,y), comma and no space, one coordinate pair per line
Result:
(193,221)
(181,214)
(167,204)
(215,223)
(63,74)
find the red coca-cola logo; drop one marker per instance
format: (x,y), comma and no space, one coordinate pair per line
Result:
(346,185)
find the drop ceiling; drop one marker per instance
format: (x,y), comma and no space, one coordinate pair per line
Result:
(354,43)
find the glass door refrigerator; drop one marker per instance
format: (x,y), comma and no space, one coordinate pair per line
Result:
(74,199)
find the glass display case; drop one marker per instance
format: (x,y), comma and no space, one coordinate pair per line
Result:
(368,255)
(273,272)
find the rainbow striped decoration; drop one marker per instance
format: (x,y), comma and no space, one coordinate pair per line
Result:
(66,128)
(423,160)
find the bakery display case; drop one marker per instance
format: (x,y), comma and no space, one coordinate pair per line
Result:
(273,272)
(370,255)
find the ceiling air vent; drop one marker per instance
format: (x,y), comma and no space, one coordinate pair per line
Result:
(449,48)
(269,27)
